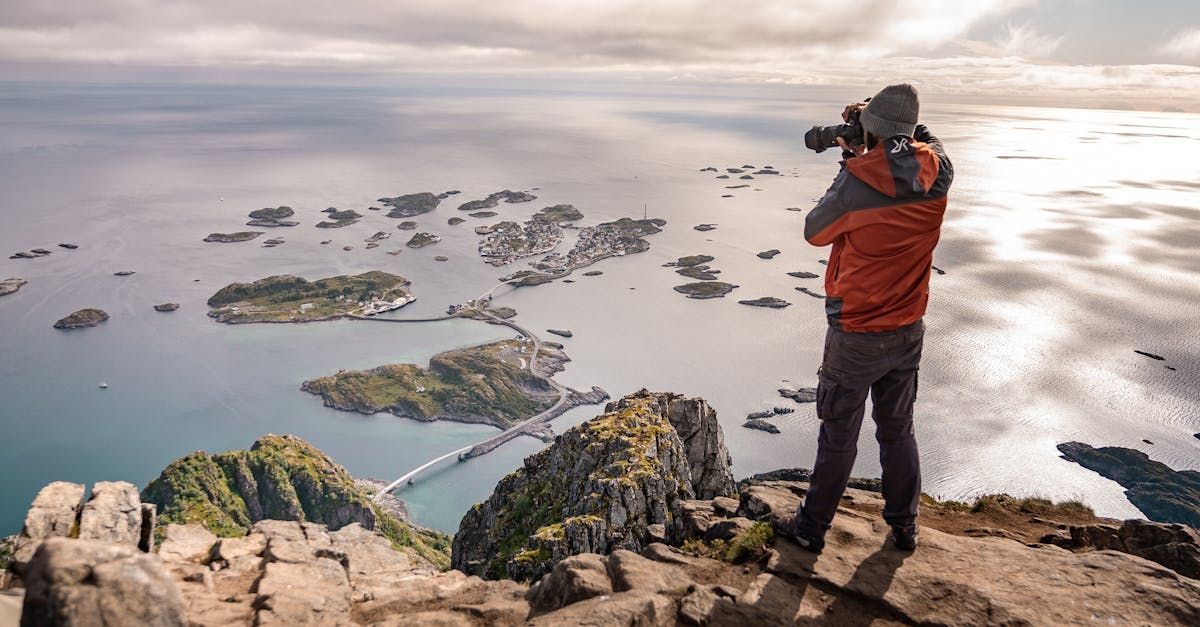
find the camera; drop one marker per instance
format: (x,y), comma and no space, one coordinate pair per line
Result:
(818,138)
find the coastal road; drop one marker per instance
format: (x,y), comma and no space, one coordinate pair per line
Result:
(515,431)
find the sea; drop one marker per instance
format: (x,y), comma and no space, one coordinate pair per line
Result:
(1070,242)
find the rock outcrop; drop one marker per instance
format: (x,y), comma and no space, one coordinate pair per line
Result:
(1162,493)
(609,483)
(113,514)
(1175,546)
(279,478)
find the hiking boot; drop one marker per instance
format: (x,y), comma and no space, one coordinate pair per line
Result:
(904,537)
(786,526)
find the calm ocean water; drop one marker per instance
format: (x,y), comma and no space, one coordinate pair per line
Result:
(1070,242)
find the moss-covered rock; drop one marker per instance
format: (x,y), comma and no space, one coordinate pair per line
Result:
(279,478)
(598,488)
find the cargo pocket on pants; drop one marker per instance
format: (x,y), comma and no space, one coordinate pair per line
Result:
(826,395)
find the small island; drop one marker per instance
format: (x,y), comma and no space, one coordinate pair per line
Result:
(766,301)
(407,225)
(492,200)
(705,227)
(269,216)
(421,239)
(559,213)
(768,254)
(11,286)
(694,267)
(560,332)
(483,214)
(338,219)
(689,261)
(705,289)
(761,425)
(805,290)
(801,395)
(83,318)
(455,221)
(229,238)
(410,205)
(287,298)
(803,275)
(166,307)
(488,384)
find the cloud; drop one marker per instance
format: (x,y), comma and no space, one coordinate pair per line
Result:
(1025,42)
(428,34)
(1184,46)
(818,42)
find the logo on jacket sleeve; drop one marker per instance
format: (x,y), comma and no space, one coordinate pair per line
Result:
(900,145)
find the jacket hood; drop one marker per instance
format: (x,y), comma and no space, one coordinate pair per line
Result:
(899,167)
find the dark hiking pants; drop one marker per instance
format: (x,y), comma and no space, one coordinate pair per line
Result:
(883,365)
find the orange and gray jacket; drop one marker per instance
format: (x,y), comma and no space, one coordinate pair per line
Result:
(883,215)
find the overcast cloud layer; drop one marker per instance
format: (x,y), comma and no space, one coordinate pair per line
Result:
(933,42)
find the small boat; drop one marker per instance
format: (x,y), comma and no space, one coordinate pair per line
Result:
(103,385)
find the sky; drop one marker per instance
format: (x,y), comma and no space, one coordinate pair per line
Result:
(1143,54)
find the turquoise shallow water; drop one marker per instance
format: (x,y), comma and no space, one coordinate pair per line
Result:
(1070,243)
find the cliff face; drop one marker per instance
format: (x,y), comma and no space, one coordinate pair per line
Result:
(279,478)
(613,482)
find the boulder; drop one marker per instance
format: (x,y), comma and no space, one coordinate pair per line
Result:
(630,571)
(53,514)
(112,514)
(87,582)
(187,543)
(574,579)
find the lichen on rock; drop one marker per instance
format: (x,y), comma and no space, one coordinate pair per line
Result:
(598,488)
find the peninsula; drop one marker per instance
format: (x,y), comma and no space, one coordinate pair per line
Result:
(287,298)
(488,384)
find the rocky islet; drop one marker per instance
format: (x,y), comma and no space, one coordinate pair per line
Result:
(82,318)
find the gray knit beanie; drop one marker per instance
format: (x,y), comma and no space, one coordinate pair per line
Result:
(893,111)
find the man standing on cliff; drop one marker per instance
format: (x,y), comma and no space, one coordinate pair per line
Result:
(883,216)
